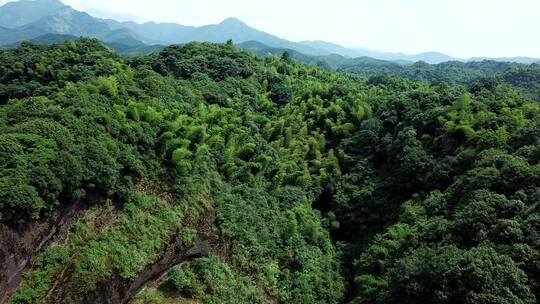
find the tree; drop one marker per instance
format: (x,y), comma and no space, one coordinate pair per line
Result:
(451,275)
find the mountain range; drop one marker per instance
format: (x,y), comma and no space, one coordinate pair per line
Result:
(44,20)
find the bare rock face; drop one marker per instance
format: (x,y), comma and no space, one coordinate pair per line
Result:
(20,245)
(119,291)
(18,248)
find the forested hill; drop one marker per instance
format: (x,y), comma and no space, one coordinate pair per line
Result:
(207,174)
(523,77)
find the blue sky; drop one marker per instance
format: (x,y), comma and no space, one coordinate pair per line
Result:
(462,28)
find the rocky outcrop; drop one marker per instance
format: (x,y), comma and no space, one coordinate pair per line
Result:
(119,291)
(20,245)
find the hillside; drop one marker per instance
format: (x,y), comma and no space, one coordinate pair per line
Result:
(520,76)
(207,174)
(454,72)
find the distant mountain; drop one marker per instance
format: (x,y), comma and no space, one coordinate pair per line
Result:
(524,60)
(34,18)
(231,28)
(525,77)
(165,33)
(332,62)
(137,50)
(70,22)
(129,49)
(45,39)
(53,17)
(10,36)
(30,19)
(16,14)
(123,36)
(263,50)
(53,38)
(238,31)
(332,48)
(354,52)
(429,57)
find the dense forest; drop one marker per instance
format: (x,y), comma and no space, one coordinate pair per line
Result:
(523,77)
(277,181)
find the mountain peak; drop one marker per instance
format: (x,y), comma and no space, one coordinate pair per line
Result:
(233,21)
(19,13)
(55,3)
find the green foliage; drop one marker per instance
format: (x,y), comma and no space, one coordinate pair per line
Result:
(69,143)
(429,192)
(143,230)
(131,240)
(188,236)
(290,251)
(33,70)
(38,281)
(212,281)
(147,297)
(451,275)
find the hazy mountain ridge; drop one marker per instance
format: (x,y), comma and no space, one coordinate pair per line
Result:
(57,19)
(29,19)
(520,59)
(230,28)
(429,57)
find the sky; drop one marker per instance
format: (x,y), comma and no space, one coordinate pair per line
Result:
(461,28)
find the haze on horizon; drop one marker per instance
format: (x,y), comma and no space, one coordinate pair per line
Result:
(460,28)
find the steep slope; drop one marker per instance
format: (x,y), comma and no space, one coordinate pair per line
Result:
(525,78)
(69,22)
(19,13)
(135,50)
(264,50)
(154,203)
(62,20)
(221,177)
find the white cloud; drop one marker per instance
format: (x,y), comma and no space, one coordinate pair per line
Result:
(461,28)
